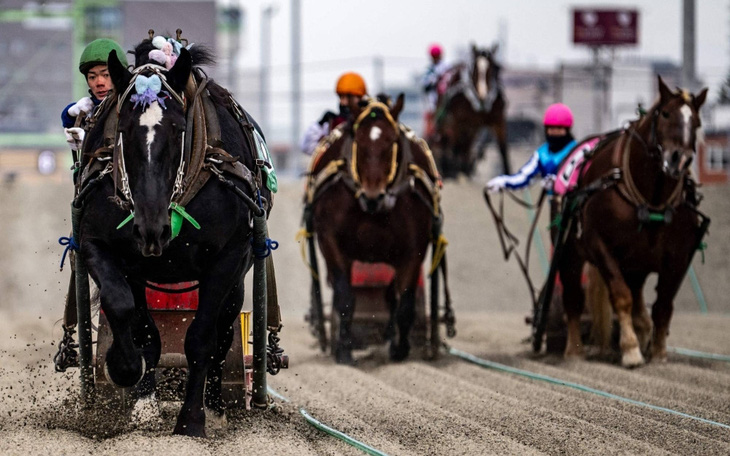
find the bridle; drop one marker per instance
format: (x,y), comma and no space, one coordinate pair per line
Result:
(124,176)
(394,151)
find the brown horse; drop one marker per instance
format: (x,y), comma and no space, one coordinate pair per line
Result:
(373,195)
(472,100)
(635,212)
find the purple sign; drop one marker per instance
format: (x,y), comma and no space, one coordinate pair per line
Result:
(605,27)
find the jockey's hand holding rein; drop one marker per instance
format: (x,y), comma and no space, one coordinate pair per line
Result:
(74,137)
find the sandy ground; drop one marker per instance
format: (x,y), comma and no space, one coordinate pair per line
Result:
(411,408)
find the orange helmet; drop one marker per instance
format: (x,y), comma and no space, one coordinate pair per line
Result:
(351,84)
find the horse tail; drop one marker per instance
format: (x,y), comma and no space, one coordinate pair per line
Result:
(600,308)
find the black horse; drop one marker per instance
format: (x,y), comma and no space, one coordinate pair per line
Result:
(152,176)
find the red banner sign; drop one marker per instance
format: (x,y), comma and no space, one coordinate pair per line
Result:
(605,27)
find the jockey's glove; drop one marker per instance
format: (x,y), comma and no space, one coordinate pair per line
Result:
(83,105)
(74,137)
(495,184)
(327,117)
(548,182)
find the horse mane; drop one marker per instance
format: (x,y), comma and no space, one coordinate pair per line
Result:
(200,53)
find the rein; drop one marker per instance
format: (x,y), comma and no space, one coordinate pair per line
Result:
(394,157)
(509,242)
(124,176)
(631,192)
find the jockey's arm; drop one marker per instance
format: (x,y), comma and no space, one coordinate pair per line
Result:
(520,179)
(312,135)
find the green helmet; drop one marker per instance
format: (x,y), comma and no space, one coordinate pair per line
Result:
(97,53)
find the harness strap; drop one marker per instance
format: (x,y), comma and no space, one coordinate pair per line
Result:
(632,193)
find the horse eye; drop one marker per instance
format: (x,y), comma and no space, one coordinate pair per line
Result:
(665,114)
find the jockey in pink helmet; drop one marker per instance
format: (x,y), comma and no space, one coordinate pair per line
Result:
(557,121)
(430,81)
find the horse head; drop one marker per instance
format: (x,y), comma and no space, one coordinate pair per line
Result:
(375,153)
(150,137)
(674,122)
(484,70)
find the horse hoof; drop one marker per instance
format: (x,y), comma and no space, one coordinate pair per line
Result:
(574,353)
(146,411)
(122,380)
(190,430)
(215,420)
(344,356)
(632,358)
(399,352)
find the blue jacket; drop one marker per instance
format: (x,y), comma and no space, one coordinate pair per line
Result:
(541,162)
(69,121)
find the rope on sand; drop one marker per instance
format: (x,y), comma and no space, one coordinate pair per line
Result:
(512,370)
(699,354)
(331,431)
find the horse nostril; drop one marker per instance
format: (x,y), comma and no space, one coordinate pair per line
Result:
(675,157)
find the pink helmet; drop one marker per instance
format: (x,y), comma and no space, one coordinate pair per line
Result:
(558,115)
(435,50)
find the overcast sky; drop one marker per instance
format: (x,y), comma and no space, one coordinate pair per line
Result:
(535,32)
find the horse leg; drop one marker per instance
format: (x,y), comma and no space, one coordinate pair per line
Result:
(201,340)
(661,312)
(573,299)
(405,314)
(214,380)
(622,299)
(124,364)
(500,132)
(146,337)
(344,305)
(391,298)
(640,316)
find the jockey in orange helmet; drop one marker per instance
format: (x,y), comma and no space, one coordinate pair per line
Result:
(350,89)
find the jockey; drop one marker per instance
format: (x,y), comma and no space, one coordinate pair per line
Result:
(546,160)
(350,90)
(430,79)
(93,66)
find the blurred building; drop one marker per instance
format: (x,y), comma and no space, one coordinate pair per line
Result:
(40,43)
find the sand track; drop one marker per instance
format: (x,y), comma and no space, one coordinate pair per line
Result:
(412,408)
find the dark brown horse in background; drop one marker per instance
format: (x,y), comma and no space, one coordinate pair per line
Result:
(373,197)
(635,212)
(472,100)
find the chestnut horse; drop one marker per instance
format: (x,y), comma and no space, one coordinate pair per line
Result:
(472,100)
(634,212)
(373,196)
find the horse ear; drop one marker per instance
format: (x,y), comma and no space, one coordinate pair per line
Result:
(474,50)
(664,92)
(699,99)
(179,74)
(119,74)
(494,49)
(398,106)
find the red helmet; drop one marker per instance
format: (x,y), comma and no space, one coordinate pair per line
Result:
(435,51)
(558,115)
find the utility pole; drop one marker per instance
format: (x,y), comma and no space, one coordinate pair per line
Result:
(266,14)
(378,75)
(296,81)
(689,77)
